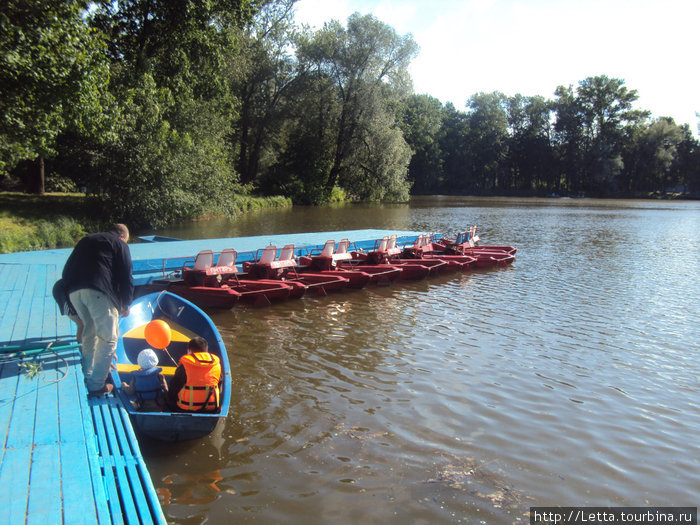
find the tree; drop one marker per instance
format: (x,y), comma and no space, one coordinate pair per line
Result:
(606,107)
(421,123)
(378,164)
(487,137)
(262,75)
(53,77)
(360,61)
(452,141)
(529,150)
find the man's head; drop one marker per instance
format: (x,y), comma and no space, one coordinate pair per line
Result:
(197,344)
(121,230)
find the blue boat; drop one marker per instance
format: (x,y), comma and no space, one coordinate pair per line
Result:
(186,321)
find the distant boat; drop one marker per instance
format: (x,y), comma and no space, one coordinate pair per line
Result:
(186,321)
(157,238)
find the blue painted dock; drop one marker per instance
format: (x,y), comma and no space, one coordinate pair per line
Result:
(67,458)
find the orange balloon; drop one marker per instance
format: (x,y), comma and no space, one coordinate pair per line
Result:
(158,334)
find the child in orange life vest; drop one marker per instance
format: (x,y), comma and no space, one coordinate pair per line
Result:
(147,383)
(194,387)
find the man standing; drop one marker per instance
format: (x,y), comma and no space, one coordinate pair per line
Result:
(100,287)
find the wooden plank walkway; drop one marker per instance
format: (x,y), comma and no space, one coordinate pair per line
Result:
(67,458)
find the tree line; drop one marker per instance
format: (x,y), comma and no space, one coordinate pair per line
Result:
(165,109)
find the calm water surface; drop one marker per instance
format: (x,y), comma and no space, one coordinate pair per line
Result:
(569,378)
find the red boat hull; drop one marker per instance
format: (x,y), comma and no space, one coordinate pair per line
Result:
(454,262)
(262,292)
(318,283)
(357,278)
(408,270)
(380,274)
(486,259)
(434,266)
(205,296)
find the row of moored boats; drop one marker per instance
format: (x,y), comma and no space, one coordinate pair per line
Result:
(214,280)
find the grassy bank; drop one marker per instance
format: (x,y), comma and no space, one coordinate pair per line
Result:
(37,222)
(59,220)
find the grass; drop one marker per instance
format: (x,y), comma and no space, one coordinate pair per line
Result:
(37,222)
(59,220)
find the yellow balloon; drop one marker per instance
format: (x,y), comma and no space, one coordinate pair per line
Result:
(157,334)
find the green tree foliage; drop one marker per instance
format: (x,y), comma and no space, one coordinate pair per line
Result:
(453,148)
(530,155)
(600,111)
(487,138)
(53,77)
(151,174)
(171,158)
(262,75)
(362,65)
(165,108)
(421,122)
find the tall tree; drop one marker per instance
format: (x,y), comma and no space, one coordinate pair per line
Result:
(53,77)
(262,75)
(606,107)
(529,150)
(452,141)
(487,137)
(421,122)
(360,61)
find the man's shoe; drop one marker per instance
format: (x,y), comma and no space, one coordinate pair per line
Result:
(105,390)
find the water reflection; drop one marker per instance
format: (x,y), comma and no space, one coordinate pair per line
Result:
(569,378)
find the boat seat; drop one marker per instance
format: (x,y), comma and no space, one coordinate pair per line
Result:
(391,248)
(204,260)
(268,255)
(343,253)
(227,261)
(127,368)
(286,258)
(328,249)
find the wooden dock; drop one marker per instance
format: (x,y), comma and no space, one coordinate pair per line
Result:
(67,458)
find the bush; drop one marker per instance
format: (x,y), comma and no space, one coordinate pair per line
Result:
(17,235)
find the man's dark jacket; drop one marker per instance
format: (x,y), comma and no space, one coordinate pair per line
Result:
(101,261)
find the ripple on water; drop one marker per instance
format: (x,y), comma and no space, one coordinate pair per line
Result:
(568,378)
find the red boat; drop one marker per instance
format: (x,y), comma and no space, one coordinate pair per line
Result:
(204,296)
(217,286)
(259,292)
(465,244)
(284,268)
(381,256)
(468,240)
(331,261)
(423,249)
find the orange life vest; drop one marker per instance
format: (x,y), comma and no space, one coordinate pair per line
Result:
(201,391)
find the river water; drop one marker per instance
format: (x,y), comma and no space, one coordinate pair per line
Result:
(569,378)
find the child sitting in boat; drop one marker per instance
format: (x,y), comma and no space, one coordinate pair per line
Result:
(195,385)
(147,383)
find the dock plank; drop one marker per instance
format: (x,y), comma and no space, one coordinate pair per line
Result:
(45,486)
(23,316)
(108,474)
(144,502)
(79,503)
(47,407)
(118,462)
(14,477)
(22,419)
(12,302)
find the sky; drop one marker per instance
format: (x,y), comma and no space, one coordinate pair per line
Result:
(532,46)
